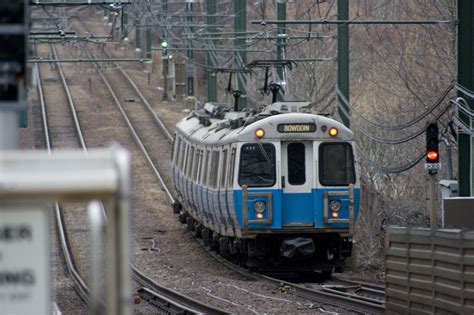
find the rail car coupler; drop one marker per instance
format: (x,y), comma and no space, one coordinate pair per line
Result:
(299,247)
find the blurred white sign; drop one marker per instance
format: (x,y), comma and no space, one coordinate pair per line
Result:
(25,281)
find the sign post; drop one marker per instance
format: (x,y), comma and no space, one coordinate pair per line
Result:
(32,180)
(25,278)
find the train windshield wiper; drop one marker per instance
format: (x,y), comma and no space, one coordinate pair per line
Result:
(260,146)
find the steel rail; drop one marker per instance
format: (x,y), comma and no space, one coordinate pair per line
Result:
(338,300)
(185,303)
(81,287)
(169,297)
(72,106)
(331,298)
(173,298)
(179,300)
(134,134)
(158,121)
(337,290)
(364,284)
(147,104)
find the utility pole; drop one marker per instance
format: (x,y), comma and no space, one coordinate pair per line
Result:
(211,76)
(343,57)
(165,54)
(190,61)
(124,22)
(240,24)
(281,41)
(149,37)
(137,34)
(466,79)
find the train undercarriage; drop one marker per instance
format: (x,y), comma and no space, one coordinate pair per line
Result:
(289,255)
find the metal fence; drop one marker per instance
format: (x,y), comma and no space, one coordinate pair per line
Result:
(429,271)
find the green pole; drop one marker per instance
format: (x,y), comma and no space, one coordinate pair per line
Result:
(466,79)
(137,33)
(281,15)
(165,58)
(124,22)
(189,19)
(343,57)
(211,77)
(149,38)
(240,25)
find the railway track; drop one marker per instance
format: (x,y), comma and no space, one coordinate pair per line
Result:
(159,296)
(79,284)
(351,296)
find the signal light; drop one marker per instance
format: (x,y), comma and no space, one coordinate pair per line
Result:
(259,133)
(432,156)
(259,216)
(164,52)
(432,149)
(333,132)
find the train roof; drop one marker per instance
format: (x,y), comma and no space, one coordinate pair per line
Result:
(280,121)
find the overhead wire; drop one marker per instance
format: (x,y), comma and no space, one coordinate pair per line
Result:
(386,127)
(396,141)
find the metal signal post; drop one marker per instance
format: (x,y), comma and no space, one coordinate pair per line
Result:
(433,166)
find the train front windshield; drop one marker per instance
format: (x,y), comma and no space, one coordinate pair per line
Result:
(257,165)
(336,164)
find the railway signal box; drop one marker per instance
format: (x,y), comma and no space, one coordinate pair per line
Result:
(432,148)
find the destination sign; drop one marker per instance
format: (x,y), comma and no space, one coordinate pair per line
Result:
(295,128)
(24,260)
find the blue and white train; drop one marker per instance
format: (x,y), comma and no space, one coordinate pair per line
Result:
(275,190)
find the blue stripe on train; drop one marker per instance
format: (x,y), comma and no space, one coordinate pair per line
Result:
(304,209)
(297,208)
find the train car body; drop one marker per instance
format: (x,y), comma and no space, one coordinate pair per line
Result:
(273,190)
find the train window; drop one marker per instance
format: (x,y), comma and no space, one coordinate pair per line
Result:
(176,150)
(296,164)
(214,166)
(192,176)
(189,164)
(197,170)
(205,160)
(182,158)
(336,164)
(257,165)
(232,168)
(223,168)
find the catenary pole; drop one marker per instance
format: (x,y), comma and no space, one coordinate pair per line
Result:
(465,78)
(281,42)
(343,58)
(190,53)
(211,76)
(240,25)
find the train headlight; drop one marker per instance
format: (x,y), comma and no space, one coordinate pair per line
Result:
(259,216)
(259,133)
(335,205)
(333,132)
(259,206)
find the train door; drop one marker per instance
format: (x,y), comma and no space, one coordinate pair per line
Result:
(297,183)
